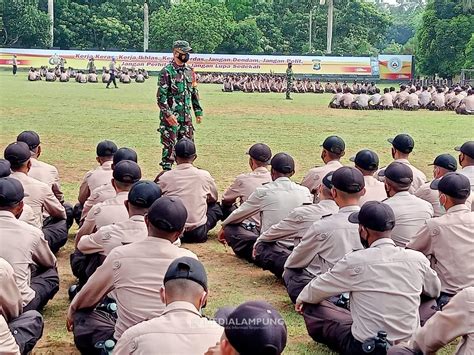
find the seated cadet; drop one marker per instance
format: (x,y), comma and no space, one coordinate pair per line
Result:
(375,99)
(442,164)
(333,150)
(329,88)
(99,244)
(63,77)
(27,215)
(181,328)
(329,239)
(384,281)
(424,97)
(241,336)
(44,172)
(466,160)
(196,188)
(318,88)
(125,78)
(32,74)
(19,332)
(466,106)
(83,78)
(347,98)
(140,78)
(336,99)
(92,77)
(402,146)
(367,162)
(410,211)
(444,327)
(438,103)
(361,102)
(50,76)
(411,102)
(400,96)
(97,177)
(453,102)
(105,75)
(113,210)
(245,184)
(39,196)
(135,273)
(272,201)
(106,191)
(25,249)
(273,247)
(386,101)
(447,241)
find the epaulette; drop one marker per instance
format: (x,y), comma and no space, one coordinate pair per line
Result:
(265,183)
(307,203)
(384,200)
(326,215)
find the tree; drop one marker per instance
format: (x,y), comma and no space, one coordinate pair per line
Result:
(469,54)
(245,37)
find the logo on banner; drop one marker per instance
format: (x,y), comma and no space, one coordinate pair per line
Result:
(316,64)
(395,64)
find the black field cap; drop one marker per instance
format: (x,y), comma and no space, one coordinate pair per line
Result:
(168,214)
(334,144)
(125,154)
(144,193)
(348,179)
(446,161)
(467,148)
(398,172)
(403,143)
(366,159)
(256,327)
(11,191)
(185,148)
(187,268)
(453,184)
(127,171)
(29,137)
(327,180)
(5,168)
(374,215)
(260,152)
(283,163)
(17,153)
(106,149)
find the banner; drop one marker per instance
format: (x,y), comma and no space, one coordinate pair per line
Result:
(387,67)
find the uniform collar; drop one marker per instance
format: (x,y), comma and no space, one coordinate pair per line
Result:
(7,214)
(382,242)
(158,240)
(402,193)
(468,168)
(18,174)
(107,165)
(458,208)
(404,161)
(349,209)
(176,66)
(184,166)
(261,170)
(137,218)
(283,178)
(181,306)
(121,193)
(334,162)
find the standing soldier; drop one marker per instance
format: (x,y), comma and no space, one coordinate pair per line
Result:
(112,71)
(91,65)
(289,80)
(177,92)
(14,64)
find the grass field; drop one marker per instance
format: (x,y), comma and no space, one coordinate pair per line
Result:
(71,118)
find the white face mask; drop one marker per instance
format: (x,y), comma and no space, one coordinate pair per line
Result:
(441,206)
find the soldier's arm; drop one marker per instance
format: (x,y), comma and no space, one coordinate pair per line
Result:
(89,244)
(245,210)
(10,298)
(53,206)
(232,193)
(42,255)
(164,82)
(287,227)
(88,226)
(84,191)
(195,97)
(422,241)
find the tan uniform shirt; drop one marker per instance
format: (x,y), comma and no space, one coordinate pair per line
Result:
(29,216)
(385,283)
(48,174)
(315,176)
(100,194)
(193,186)
(95,178)
(399,97)
(411,213)
(468,102)
(386,100)
(326,242)
(448,241)
(40,197)
(111,236)
(438,100)
(8,343)
(424,98)
(432,196)
(108,212)
(181,329)
(244,185)
(347,99)
(23,246)
(272,201)
(374,190)
(469,172)
(362,100)
(412,100)
(135,273)
(456,320)
(419,178)
(290,230)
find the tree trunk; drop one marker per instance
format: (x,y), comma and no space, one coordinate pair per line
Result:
(330,4)
(51,22)
(146,27)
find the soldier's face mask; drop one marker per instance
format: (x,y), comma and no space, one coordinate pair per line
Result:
(363,235)
(442,202)
(184,57)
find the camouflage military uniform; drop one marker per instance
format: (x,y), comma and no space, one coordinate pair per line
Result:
(177,92)
(289,82)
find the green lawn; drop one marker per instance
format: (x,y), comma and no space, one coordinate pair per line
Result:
(71,118)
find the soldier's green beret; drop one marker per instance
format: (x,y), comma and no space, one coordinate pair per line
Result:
(182,45)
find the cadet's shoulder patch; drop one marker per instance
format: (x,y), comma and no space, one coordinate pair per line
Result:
(435,231)
(97,211)
(88,175)
(117,264)
(322,236)
(106,236)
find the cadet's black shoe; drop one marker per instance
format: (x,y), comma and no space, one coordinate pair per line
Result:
(73,291)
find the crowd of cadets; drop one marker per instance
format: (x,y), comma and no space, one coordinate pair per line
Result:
(373,258)
(125,75)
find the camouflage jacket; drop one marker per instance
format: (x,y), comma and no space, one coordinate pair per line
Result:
(289,75)
(177,92)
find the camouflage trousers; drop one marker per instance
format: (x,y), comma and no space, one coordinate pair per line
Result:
(288,90)
(169,136)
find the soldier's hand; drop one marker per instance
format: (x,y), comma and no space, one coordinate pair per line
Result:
(69,322)
(198,119)
(171,120)
(299,308)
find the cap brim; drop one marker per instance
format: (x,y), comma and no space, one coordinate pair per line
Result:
(390,140)
(381,173)
(434,184)
(354,217)
(457,149)
(352,159)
